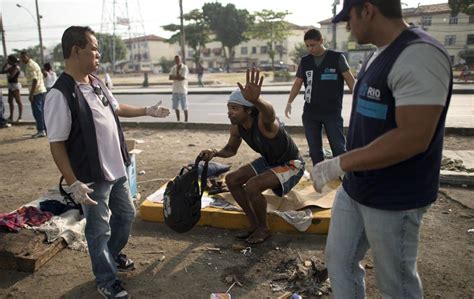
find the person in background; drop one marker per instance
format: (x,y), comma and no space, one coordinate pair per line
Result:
(323,73)
(34,76)
(12,69)
(394,148)
(49,76)
(3,121)
(108,81)
(179,74)
(88,146)
(200,74)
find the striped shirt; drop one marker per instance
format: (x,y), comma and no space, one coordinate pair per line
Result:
(33,71)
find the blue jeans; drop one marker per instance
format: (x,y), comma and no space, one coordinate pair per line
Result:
(108,226)
(37,107)
(313,129)
(3,121)
(393,238)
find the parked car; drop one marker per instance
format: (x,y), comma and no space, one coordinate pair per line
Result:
(276,67)
(215,69)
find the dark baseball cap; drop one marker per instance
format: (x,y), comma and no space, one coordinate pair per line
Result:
(346,8)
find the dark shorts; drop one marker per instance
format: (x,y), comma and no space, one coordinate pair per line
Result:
(289,174)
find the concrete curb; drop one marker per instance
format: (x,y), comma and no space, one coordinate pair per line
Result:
(226,127)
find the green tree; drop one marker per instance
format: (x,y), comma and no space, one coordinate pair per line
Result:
(298,52)
(270,26)
(33,52)
(197,33)
(229,25)
(464,6)
(105,41)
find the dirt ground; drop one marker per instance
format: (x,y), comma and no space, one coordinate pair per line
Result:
(189,270)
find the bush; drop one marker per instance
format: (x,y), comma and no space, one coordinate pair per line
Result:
(166,65)
(281,76)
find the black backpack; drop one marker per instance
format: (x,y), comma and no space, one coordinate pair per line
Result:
(182,198)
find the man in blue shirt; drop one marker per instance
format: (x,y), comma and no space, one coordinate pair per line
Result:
(393,156)
(323,73)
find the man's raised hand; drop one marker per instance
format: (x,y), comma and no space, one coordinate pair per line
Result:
(253,86)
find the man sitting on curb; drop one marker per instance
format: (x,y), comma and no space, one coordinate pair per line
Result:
(280,168)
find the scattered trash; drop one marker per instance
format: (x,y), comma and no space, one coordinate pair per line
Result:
(215,249)
(141,172)
(220,296)
(470,231)
(247,251)
(162,258)
(309,277)
(233,279)
(154,252)
(295,296)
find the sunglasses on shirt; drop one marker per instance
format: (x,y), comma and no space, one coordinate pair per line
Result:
(98,91)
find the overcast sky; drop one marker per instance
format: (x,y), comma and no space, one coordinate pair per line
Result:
(21,30)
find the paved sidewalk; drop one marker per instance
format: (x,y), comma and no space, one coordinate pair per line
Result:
(268,88)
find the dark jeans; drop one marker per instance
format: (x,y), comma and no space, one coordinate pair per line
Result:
(37,107)
(3,121)
(333,126)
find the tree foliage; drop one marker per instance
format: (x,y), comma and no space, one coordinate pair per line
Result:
(298,52)
(105,41)
(197,32)
(464,6)
(229,25)
(271,26)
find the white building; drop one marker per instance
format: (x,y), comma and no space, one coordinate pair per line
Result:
(455,33)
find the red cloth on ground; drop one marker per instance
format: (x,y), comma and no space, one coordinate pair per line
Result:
(32,216)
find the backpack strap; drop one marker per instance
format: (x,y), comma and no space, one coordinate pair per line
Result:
(203,173)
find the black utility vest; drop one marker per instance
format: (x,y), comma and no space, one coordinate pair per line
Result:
(324,85)
(409,184)
(276,151)
(81,146)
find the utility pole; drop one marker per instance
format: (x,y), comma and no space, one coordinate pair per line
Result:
(183,39)
(113,38)
(38,18)
(4,43)
(38,23)
(334,25)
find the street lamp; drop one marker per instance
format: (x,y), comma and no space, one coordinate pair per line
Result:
(38,23)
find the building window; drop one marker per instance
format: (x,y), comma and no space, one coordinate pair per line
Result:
(263,50)
(453,20)
(470,39)
(449,40)
(254,50)
(426,21)
(471,19)
(243,50)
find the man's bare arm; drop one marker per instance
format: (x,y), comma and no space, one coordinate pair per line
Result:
(58,150)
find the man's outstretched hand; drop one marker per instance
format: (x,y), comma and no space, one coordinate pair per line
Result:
(157,110)
(253,86)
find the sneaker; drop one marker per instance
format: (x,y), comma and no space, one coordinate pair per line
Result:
(116,290)
(124,264)
(5,125)
(39,134)
(19,120)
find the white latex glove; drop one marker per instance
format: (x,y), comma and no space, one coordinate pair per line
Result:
(157,110)
(80,193)
(325,171)
(288,110)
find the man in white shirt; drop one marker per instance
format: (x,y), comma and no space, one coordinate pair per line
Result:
(88,147)
(179,75)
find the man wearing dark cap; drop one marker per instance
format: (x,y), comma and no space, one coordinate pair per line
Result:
(279,168)
(393,154)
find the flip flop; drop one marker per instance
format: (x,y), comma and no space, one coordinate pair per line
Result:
(243,235)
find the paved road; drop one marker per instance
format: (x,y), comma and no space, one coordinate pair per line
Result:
(211,108)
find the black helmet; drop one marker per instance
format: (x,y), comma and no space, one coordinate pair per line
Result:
(13,59)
